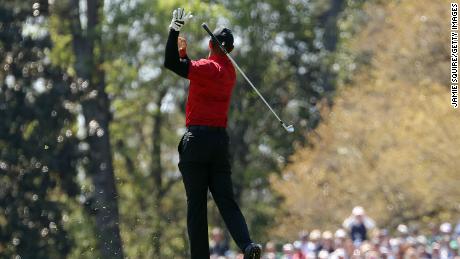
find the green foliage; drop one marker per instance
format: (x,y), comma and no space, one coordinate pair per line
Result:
(38,150)
(387,144)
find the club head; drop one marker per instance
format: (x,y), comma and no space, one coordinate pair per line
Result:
(289,128)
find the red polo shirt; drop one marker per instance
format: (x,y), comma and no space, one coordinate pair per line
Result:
(211,84)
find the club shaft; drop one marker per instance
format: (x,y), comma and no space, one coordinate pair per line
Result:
(253,87)
(241,71)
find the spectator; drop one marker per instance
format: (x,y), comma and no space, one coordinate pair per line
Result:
(383,238)
(385,253)
(270,251)
(349,246)
(407,243)
(314,245)
(323,254)
(327,242)
(445,250)
(358,224)
(410,253)
(403,231)
(435,251)
(422,252)
(304,242)
(339,254)
(218,246)
(288,251)
(457,229)
(298,251)
(435,235)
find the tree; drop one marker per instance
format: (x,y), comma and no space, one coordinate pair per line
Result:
(89,55)
(387,144)
(38,150)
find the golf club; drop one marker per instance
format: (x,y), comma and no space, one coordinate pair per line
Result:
(288,128)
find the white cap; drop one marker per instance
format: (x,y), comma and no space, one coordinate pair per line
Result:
(358,211)
(421,240)
(327,235)
(403,228)
(340,252)
(340,233)
(297,245)
(323,254)
(445,227)
(394,242)
(288,247)
(315,234)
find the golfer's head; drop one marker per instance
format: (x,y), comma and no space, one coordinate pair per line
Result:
(225,37)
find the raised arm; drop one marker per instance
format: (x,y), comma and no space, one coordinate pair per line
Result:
(172,60)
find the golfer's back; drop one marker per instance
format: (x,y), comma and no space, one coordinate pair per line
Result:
(211,84)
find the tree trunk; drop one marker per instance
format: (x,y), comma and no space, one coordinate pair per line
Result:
(330,38)
(329,19)
(240,151)
(96,110)
(157,171)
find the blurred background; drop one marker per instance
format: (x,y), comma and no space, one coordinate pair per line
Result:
(90,122)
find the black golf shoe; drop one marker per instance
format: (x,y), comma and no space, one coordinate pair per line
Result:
(253,251)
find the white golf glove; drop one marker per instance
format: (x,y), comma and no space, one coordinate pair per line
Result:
(179,19)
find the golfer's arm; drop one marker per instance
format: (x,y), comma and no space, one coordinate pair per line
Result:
(172,60)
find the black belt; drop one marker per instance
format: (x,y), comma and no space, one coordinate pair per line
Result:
(206,128)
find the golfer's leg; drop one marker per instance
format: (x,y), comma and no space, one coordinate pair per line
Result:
(195,180)
(222,191)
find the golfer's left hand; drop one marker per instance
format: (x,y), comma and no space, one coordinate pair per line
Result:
(179,19)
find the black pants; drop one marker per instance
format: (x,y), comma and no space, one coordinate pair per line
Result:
(204,163)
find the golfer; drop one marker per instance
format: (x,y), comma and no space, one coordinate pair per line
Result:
(203,150)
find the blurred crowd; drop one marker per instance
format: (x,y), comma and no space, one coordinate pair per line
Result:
(357,238)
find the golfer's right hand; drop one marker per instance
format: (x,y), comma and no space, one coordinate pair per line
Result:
(179,19)
(182,44)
